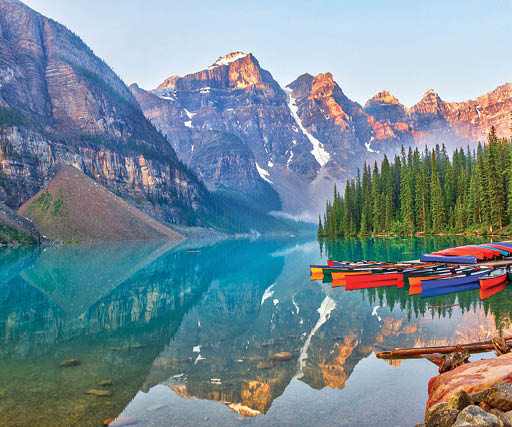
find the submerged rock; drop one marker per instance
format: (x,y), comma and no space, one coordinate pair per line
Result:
(500,396)
(264,365)
(282,357)
(100,393)
(70,362)
(475,416)
(118,422)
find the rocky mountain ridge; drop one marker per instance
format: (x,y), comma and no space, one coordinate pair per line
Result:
(60,104)
(309,134)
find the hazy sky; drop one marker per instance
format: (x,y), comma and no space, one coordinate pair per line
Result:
(459,48)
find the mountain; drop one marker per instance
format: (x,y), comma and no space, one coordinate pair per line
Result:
(75,208)
(303,137)
(236,96)
(435,121)
(59,103)
(341,131)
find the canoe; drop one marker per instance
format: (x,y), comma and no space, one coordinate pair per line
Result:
(465,259)
(416,288)
(505,243)
(489,252)
(458,280)
(501,251)
(498,246)
(326,270)
(338,283)
(449,290)
(493,278)
(376,276)
(338,275)
(462,252)
(349,286)
(489,292)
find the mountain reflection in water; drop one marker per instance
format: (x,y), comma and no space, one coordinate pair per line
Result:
(188,338)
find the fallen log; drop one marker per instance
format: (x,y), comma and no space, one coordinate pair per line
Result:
(417,352)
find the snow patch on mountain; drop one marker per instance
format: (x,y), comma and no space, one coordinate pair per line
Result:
(228,59)
(263,173)
(368,146)
(321,156)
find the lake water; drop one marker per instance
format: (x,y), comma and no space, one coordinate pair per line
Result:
(186,334)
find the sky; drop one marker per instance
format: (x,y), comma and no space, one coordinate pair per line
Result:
(460,48)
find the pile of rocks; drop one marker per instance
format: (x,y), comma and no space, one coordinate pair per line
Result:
(489,407)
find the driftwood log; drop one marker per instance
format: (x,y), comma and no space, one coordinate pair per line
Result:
(403,353)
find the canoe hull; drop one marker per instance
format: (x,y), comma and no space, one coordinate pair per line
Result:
(466,259)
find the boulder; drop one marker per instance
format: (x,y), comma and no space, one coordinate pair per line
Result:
(100,393)
(507,418)
(479,396)
(475,416)
(442,418)
(471,377)
(435,408)
(500,396)
(70,362)
(282,357)
(459,399)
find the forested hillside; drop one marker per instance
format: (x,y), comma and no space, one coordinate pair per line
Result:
(428,192)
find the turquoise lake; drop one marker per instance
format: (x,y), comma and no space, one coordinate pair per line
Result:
(186,334)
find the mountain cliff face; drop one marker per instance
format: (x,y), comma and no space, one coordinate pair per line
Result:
(238,97)
(345,135)
(435,121)
(303,137)
(59,103)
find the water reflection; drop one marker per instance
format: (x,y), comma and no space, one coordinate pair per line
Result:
(169,327)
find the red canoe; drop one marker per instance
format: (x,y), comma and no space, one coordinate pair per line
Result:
(461,252)
(501,247)
(494,278)
(487,252)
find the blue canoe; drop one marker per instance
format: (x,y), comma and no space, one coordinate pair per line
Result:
(449,290)
(466,259)
(459,280)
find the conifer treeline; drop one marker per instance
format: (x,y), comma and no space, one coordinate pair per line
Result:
(427,193)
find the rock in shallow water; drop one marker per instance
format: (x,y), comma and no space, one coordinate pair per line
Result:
(500,396)
(475,416)
(118,422)
(100,393)
(282,357)
(70,362)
